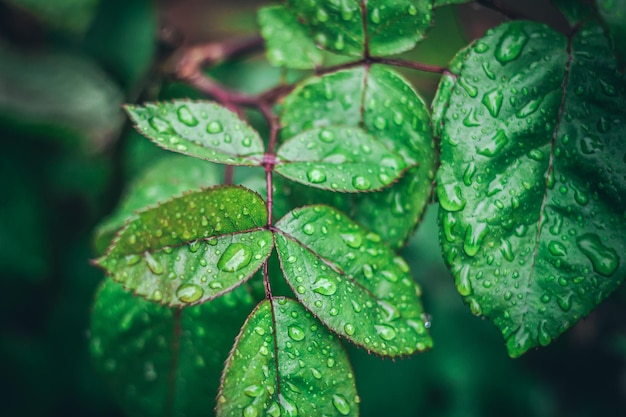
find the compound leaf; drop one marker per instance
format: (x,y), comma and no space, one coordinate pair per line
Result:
(192,248)
(532,179)
(357,28)
(160,361)
(285,363)
(351,281)
(613,13)
(344,159)
(287,42)
(204,130)
(385,105)
(169,177)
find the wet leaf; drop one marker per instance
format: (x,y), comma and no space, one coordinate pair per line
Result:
(192,248)
(287,41)
(356,28)
(204,130)
(351,281)
(439,3)
(169,177)
(613,13)
(532,179)
(385,105)
(285,363)
(338,158)
(161,361)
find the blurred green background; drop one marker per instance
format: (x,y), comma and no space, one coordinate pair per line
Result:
(66,66)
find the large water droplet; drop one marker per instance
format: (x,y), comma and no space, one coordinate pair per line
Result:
(353,240)
(296,333)
(153,265)
(390,312)
(186,116)
(324,286)
(386,332)
(511,44)
(603,259)
(189,293)
(253,391)
(450,197)
(214,127)
(161,125)
(557,248)
(591,144)
(361,183)
(495,145)
(470,89)
(250,411)
(316,176)
(235,257)
(463,283)
(290,409)
(327,136)
(492,100)
(530,107)
(544,336)
(349,329)
(474,235)
(341,404)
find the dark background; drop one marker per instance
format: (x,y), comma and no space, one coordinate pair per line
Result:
(66,153)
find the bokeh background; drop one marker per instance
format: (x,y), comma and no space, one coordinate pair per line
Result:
(67,152)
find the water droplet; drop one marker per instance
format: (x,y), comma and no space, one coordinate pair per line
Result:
(544,336)
(186,116)
(290,409)
(463,283)
(511,44)
(481,47)
(450,197)
(493,102)
(250,411)
(470,120)
(368,272)
(389,276)
(214,127)
(564,302)
(273,410)
(581,198)
(375,16)
(296,333)
(530,107)
(246,142)
(390,313)
(153,265)
(353,240)
(603,259)
(495,145)
(470,89)
(316,176)
(324,286)
(475,307)
(132,259)
(412,10)
(386,332)
(321,15)
(194,246)
(349,328)
(157,295)
(474,235)
(327,136)
(235,257)
(507,250)
(557,248)
(361,183)
(470,170)
(189,293)
(341,404)
(591,144)
(253,391)
(161,125)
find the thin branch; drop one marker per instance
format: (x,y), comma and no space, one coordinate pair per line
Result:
(409,64)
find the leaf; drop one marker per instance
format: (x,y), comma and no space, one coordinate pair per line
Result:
(285,363)
(613,13)
(351,281)
(390,27)
(192,248)
(59,95)
(169,177)
(287,42)
(575,12)
(385,106)
(160,361)
(201,129)
(439,3)
(71,16)
(531,184)
(339,158)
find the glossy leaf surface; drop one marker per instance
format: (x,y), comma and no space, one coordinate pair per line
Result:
(204,130)
(287,41)
(351,281)
(192,248)
(169,177)
(160,361)
(352,27)
(385,106)
(613,13)
(338,158)
(285,363)
(532,179)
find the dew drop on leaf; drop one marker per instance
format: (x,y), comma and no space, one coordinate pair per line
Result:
(341,404)
(511,44)
(495,145)
(186,116)
(324,286)
(386,332)
(214,127)
(349,329)
(235,257)
(450,197)
(161,125)
(492,100)
(296,333)
(603,259)
(557,248)
(154,265)
(361,183)
(316,176)
(189,293)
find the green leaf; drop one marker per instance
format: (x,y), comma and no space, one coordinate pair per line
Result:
(385,105)
(193,248)
(613,13)
(342,159)
(532,179)
(389,27)
(439,3)
(201,129)
(287,42)
(169,177)
(285,363)
(71,16)
(59,95)
(351,281)
(160,361)
(574,11)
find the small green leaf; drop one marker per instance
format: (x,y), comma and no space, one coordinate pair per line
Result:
(285,363)
(377,27)
(204,130)
(342,159)
(386,106)
(169,177)
(532,179)
(287,42)
(193,248)
(160,361)
(613,13)
(351,281)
